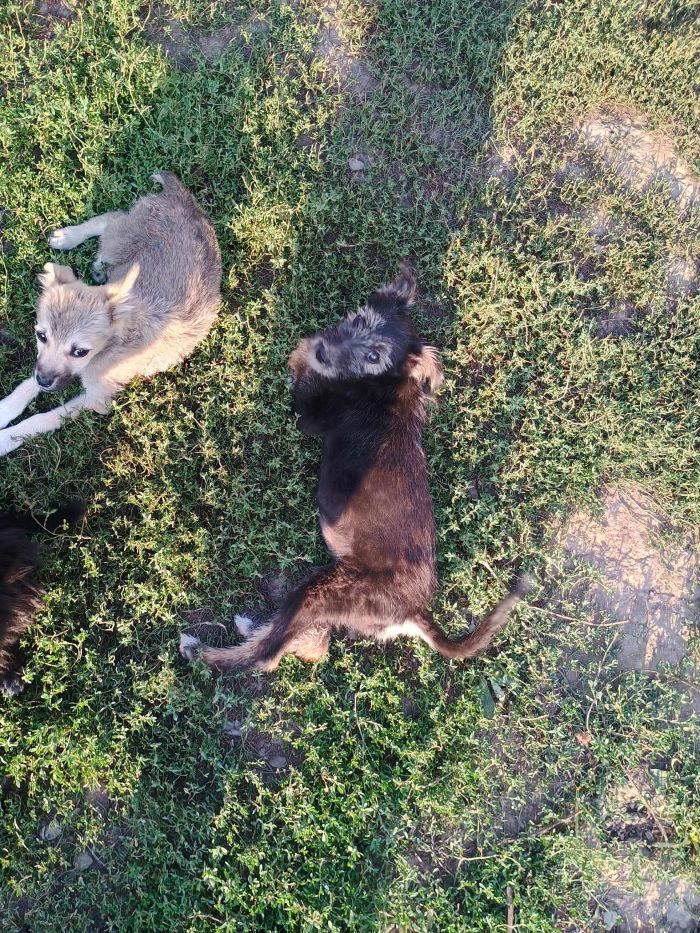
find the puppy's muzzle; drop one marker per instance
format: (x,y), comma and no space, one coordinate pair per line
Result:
(48,382)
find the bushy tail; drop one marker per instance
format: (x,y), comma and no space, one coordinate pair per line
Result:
(478,640)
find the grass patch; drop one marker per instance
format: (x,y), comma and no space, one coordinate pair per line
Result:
(411,801)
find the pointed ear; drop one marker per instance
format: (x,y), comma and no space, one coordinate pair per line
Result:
(118,292)
(53,274)
(427,370)
(403,288)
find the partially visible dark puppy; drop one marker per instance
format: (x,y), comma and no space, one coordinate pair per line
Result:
(364,386)
(20,595)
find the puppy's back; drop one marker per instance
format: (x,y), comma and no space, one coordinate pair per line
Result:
(175,246)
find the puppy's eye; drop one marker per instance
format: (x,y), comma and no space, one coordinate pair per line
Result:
(359,321)
(79,351)
(41,336)
(372,356)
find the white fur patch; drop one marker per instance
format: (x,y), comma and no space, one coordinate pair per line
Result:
(244,625)
(401,628)
(64,238)
(189,647)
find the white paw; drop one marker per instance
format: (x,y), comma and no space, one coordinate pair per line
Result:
(244,625)
(8,443)
(63,238)
(189,647)
(6,414)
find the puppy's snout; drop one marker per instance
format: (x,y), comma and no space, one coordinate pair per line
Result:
(322,355)
(44,381)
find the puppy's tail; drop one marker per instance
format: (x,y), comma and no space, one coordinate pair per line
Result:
(478,640)
(169,182)
(70,514)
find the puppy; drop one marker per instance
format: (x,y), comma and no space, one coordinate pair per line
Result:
(363,386)
(20,597)
(158,271)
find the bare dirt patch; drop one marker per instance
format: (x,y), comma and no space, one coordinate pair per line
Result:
(342,63)
(641,157)
(185,46)
(638,901)
(51,15)
(649,587)
(636,810)
(682,274)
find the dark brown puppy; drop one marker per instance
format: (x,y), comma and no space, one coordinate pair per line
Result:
(20,595)
(364,386)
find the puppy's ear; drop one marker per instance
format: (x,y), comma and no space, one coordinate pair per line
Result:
(53,274)
(426,369)
(403,289)
(118,293)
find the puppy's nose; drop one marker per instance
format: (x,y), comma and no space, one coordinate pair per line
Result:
(321,355)
(44,381)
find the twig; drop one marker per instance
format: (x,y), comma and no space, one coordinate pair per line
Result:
(559,615)
(511,909)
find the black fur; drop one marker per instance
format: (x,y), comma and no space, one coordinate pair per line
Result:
(20,594)
(363,385)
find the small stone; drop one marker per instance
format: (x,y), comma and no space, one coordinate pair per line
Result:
(98,799)
(50,832)
(232,729)
(355,164)
(278,762)
(84,861)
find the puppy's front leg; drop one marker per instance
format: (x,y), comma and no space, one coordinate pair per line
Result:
(14,404)
(12,438)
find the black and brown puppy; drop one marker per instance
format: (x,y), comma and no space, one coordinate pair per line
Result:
(20,595)
(364,386)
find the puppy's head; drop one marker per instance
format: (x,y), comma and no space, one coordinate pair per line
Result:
(372,341)
(75,322)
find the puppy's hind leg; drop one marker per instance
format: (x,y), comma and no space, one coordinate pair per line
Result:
(68,237)
(301,627)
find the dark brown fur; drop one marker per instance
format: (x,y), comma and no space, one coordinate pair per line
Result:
(374,501)
(20,595)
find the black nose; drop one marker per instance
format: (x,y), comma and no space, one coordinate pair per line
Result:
(44,381)
(321,355)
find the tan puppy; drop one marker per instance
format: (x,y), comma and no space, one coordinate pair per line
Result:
(159,274)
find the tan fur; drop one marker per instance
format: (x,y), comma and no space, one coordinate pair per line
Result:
(161,268)
(427,370)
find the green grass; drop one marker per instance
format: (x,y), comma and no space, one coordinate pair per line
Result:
(199,484)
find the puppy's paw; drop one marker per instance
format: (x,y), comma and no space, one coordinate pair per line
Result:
(11,685)
(63,238)
(99,272)
(8,443)
(244,625)
(190,647)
